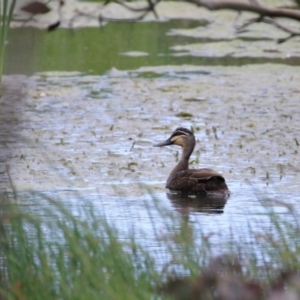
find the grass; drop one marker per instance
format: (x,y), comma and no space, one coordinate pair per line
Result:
(6,13)
(61,256)
(67,258)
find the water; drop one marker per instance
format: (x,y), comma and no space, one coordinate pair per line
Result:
(81,127)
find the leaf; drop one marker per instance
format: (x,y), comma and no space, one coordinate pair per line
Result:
(36,8)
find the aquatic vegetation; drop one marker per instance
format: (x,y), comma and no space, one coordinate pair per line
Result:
(184,115)
(66,256)
(6,12)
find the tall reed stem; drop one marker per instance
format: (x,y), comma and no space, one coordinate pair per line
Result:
(6,13)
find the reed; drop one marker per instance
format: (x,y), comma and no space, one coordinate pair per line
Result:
(60,255)
(6,14)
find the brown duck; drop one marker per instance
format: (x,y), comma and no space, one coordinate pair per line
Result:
(197,181)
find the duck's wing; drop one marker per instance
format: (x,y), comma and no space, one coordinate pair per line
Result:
(202,174)
(198,180)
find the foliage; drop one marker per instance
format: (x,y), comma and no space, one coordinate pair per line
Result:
(67,258)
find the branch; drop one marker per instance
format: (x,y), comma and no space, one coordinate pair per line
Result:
(145,10)
(125,4)
(265,14)
(292,33)
(253,7)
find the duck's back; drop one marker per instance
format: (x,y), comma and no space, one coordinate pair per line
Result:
(201,181)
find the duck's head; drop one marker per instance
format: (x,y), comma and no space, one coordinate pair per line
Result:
(181,137)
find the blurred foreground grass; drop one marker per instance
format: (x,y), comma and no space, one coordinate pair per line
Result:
(63,256)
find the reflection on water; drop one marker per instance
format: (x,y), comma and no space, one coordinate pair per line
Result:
(189,203)
(94,51)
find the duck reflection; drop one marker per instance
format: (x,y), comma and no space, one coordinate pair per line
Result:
(186,203)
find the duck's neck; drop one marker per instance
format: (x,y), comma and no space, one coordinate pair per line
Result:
(183,163)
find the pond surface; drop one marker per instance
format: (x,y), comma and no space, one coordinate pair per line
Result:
(79,126)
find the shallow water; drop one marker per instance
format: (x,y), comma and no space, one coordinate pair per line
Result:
(79,148)
(86,137)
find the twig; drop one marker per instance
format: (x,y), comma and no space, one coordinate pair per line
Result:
(248,23)
(145,10)
(148,8)
(248,7)
(291,32)
(273,22)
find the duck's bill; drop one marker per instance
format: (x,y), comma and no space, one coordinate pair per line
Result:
(165,143)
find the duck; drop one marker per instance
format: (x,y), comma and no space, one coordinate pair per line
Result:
(206,182)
